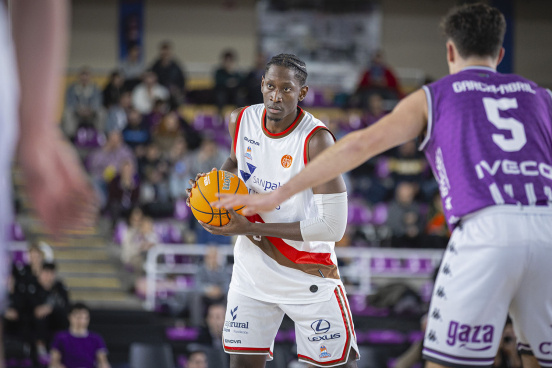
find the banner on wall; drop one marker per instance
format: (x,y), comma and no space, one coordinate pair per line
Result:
(335,39)
(131,26)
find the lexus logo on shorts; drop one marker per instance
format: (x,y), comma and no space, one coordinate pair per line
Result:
(320,326)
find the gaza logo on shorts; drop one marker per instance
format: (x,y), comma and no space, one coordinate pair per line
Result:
(320,328)
(474,338)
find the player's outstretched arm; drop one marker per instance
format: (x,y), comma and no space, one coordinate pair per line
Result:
(407,121)
(329,197)
(55,181)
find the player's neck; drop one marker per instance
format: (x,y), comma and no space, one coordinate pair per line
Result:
(279,126)
(461,64)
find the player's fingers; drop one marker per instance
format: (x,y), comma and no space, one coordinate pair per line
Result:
(249,211)
(214,169)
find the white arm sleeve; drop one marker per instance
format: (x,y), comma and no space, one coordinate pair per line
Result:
(331,221)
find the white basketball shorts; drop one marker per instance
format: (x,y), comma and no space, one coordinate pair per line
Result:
(324,331)
(498,261)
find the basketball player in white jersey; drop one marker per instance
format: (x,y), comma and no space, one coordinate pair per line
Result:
(284,258)
(30,82)
(488,139)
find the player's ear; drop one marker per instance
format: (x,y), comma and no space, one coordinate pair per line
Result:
(451,52)
(262,82)
(303,92)
(501,54)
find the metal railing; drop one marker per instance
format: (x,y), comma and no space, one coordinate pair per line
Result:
(358,265)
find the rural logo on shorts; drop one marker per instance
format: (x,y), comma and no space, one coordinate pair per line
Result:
(324,352)
(286,161)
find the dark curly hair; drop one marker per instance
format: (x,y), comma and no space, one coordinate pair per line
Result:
(292,62)
(476,29)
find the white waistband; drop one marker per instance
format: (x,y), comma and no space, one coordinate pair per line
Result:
(509,208)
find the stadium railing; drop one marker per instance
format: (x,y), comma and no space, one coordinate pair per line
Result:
(358,266)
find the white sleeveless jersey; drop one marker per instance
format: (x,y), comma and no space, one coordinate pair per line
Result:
(273,269)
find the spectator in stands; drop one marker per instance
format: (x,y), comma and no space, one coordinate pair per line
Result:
(105,162)
(210,336)
(167,132)
(136,245)
(252,81)
(178,150)
(113,89)
(50,303)
(78,347)
(132,67)
(170,73)
(407,164)
(197,359)
(83,105)
(117,113)
(375,110)
(155,196)
(404,218)
(16,321)
(136,134)
(437,233)
(206,158)
(228,81)
(152,160)
(212,282)
(378,78)
(179,175)
(145,93)
(129,238)
(153,119)
(123,192)
(27,273)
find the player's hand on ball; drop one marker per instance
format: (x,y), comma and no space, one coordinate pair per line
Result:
(254,203)
(192,183)
(238,225)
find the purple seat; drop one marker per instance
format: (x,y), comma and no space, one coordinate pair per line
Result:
(222,138)
(175,234)
(379,214)
(182,333)
(89,138)
(181,211)
(382,168)
(414,336)
(381,337)
(208,122)
(119,232)
(358,214)
(17,233)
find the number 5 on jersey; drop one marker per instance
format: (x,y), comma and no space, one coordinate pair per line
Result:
(492,109)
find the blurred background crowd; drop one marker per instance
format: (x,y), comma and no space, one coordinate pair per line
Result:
(145,124)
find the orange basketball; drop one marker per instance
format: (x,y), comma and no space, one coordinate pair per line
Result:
(205,192)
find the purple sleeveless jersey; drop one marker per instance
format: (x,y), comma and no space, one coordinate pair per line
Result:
(489,141)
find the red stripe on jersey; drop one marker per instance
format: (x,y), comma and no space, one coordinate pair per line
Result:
(238,121)
(346,347)
(306,145)
(294,255)
(297,119)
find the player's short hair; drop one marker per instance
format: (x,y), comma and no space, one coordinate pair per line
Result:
(475,29)
(78,307)
(292,62)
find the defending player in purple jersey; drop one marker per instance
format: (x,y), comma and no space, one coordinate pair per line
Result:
(488,137)
(488,141)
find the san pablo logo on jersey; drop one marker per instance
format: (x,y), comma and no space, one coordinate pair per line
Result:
(321,328)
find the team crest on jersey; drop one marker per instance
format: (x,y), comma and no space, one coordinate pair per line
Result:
(324,352)
(286,161)
(248,154)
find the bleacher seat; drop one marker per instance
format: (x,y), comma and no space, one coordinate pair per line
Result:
(151,355)
(358,213)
